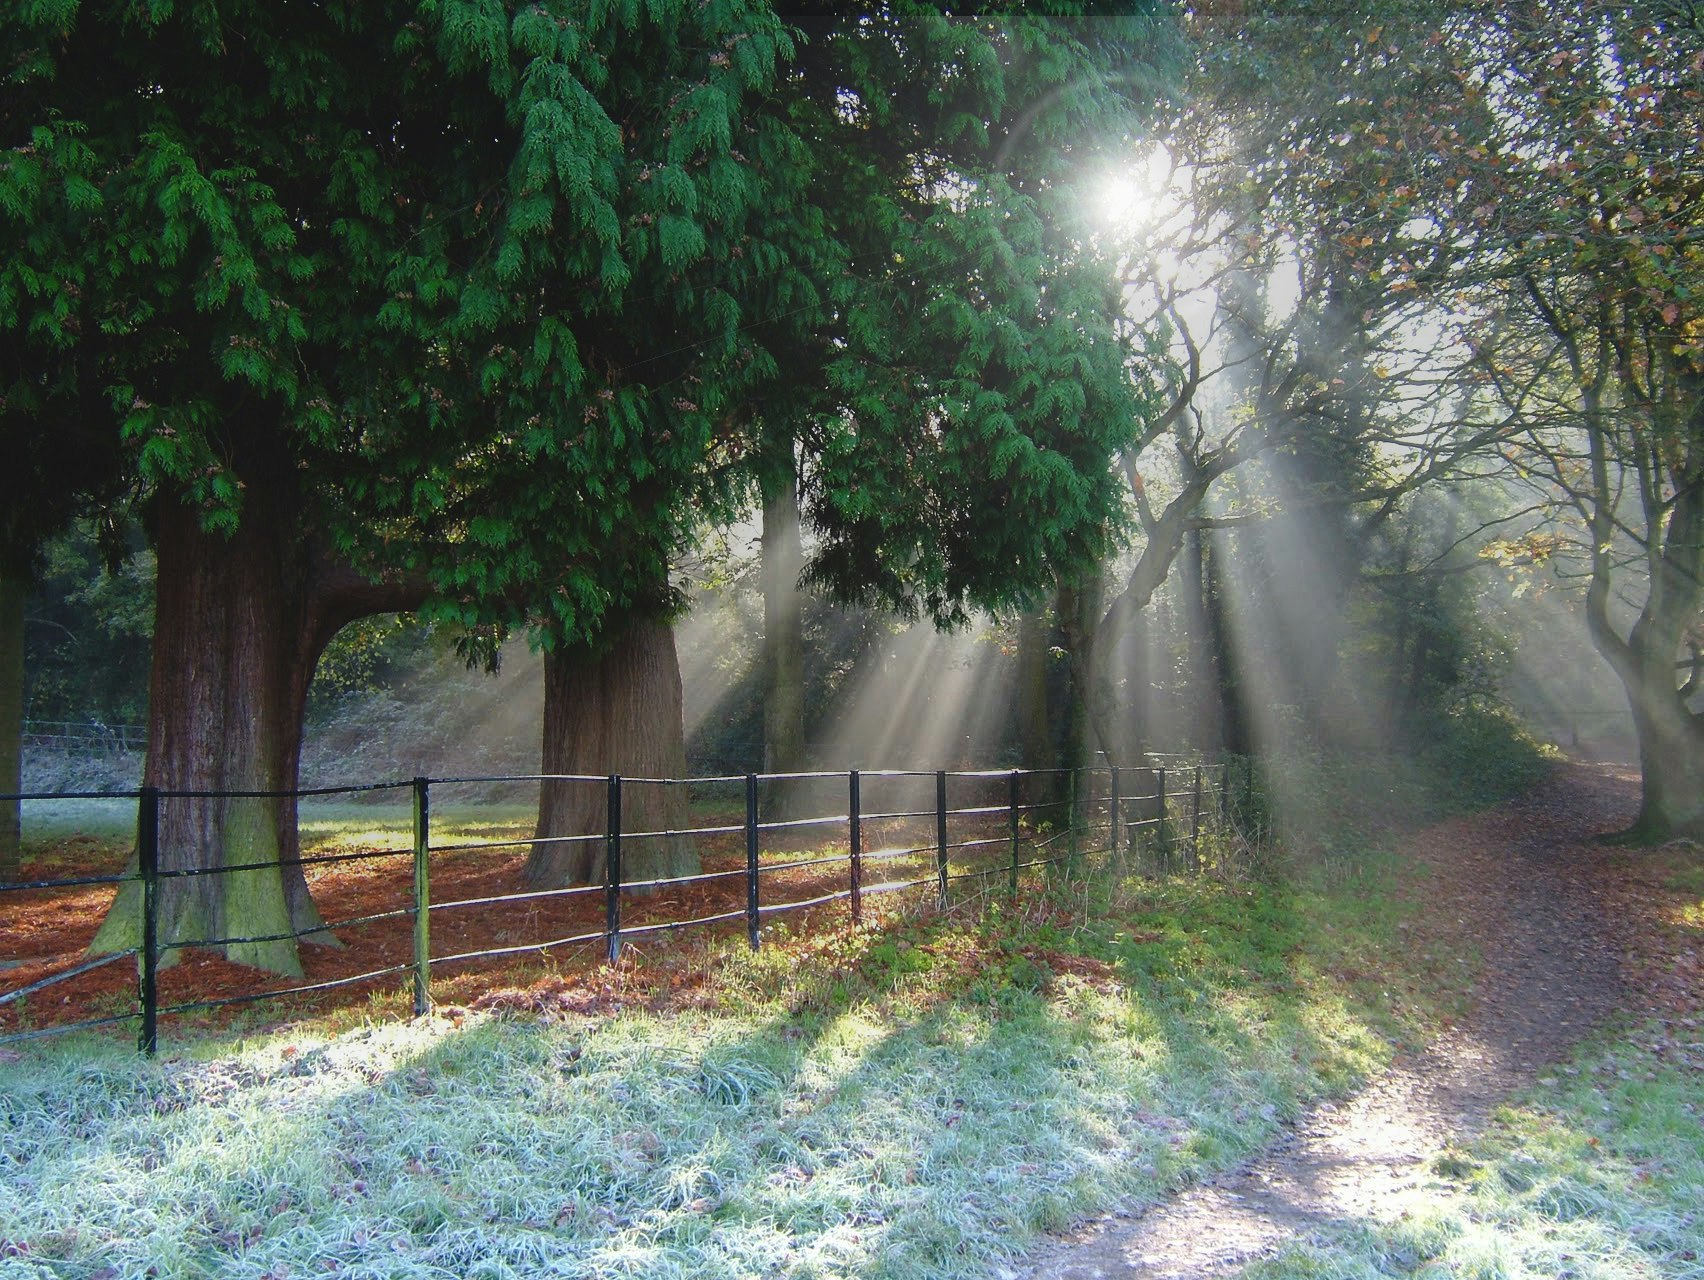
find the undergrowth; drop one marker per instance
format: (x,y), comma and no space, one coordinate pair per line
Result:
(1337,806)
(918,1098)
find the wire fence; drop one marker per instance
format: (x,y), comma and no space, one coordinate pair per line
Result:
(764,846)
(83,737)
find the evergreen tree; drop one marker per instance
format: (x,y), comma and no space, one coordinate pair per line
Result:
(937,338)
(318,285)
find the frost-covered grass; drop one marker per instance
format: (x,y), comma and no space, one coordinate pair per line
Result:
(914,1100)
(1597,1175)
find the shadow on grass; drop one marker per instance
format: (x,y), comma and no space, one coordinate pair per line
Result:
(918,1097)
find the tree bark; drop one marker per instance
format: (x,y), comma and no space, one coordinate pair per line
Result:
(1079,608)
(1671,761)
(1232,715)
(240,622)
(229,612)
(1670,734)
(783,638)
(619,713)
(1647,661)
(11,721)
(1036,748)
(1205,727)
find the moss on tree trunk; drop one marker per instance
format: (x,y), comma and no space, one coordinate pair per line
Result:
(228,615)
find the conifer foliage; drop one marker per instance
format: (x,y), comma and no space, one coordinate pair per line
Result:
(484,308)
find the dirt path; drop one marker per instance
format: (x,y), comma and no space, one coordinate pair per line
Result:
(1518,883)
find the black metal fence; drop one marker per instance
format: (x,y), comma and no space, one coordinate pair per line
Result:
(930,831)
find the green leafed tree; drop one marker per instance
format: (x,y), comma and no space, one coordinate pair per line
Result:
(318,286)
(929,339)
(1576,134)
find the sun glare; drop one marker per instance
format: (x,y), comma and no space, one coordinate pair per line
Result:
(1119,200)
(1137,194)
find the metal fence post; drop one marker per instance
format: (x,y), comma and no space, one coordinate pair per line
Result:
(612,872)
(422,898)
(1012,807)
(148,867)
(1071,822)
(751,860)
(855,836)
(1163,832)
(1195,824)
(1112,814)
(941,833)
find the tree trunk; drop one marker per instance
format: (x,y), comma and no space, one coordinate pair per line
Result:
(1202,676)
(11,721)
(1670,734)
(1232,716)
(229,615)
(1079,604)
(1098,644)
(1648,660)
(619,713)
(240,622)
(1671,762)
(783,639)
(1036,748)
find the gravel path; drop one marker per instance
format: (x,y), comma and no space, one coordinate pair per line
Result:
(1518,884)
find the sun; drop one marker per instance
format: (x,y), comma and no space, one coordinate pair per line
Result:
(1136,193)
(1119,200)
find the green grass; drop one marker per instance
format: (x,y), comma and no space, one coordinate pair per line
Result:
(61,830)
(1598,1174)
(915,1100)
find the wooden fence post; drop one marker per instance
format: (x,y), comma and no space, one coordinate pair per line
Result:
(855,836)
(941,833)
(1163,832)
(1195,824)
(1113,814)
(1012,808)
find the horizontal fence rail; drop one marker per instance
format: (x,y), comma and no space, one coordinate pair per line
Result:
(83,737)
(777,844)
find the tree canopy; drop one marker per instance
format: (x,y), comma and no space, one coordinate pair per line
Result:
(468,306)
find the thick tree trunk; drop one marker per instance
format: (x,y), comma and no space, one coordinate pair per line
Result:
(240,622)
(229,616)
(1098,643)
(1036,743)
(621,714)
(11,720)
(783,639)
(1670,734)
(1649,662)
(1232,715)
(1671,764)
